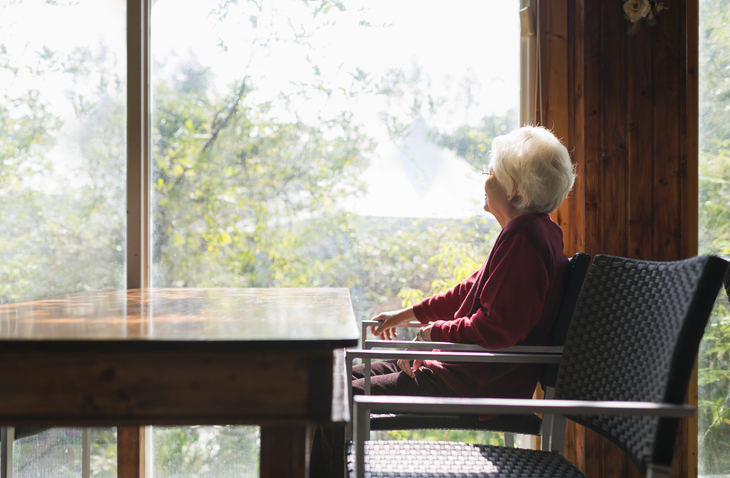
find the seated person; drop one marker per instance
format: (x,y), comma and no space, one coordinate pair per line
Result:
(513,299)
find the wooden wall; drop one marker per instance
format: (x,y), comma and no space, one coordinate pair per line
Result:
(626,107)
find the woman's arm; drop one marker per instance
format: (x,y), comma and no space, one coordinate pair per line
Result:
(511,299)
(390,320)
(443,306)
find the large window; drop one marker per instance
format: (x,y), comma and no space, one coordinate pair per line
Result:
(714,232)
(62,155)
(293,144)
(305,144)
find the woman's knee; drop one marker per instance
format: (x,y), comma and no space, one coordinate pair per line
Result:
(358,371)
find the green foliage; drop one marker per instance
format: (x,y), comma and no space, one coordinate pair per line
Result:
(714,384)
(714,233)
(243,196)
(715,198)
(206,451)
(463,436)
(103,453)
(474,143)
(61,223)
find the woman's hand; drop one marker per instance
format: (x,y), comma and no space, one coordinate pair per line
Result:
(405,364)
(390,320)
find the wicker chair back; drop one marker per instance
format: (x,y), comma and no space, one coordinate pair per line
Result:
(664,307)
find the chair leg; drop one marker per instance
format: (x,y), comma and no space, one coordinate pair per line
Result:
(367,371)
(546,431)
(557,436)
(7,436)
(348,426)
(362,433)
(509,440)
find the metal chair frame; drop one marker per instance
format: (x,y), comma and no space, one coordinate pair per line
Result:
(677,335)
(552,429)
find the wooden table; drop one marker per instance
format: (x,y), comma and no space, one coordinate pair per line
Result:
(181,357)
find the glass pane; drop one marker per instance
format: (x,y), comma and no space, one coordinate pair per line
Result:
(62,150)
(714,233)
(206,451)
(304,143)
(58,452)
(103,453)
(54,452)
(326,144)
(62,169)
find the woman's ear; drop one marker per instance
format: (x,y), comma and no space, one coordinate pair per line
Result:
(515,192)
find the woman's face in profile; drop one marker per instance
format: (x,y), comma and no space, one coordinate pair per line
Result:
(496,200)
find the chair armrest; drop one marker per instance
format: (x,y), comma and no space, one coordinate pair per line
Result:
(368,323)
(412,323)
(410,344)
(489,357)
(480,356)
(414,345)
(497,406)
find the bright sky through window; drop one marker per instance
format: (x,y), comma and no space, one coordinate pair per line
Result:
(452,43)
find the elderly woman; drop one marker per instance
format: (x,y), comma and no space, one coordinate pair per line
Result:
(512,299)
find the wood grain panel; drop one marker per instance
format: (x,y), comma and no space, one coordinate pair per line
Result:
(689,97)
(283,451)
(593,453)
(130,452)
(667,199)
(640,141)
(145,388)
(593,127)
(580,439)
(556,91)
(613,144)
(632,130)
(576,20)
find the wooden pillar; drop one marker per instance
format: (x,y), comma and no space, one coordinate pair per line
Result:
(626,107)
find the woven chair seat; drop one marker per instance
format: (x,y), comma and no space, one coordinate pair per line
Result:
(409,459)
(518,424)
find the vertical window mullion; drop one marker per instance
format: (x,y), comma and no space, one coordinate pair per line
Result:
(131,442)
(137,143)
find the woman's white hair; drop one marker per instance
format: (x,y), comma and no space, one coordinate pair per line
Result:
(532,160)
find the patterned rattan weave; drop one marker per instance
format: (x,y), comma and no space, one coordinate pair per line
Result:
(634,336)
(408,459)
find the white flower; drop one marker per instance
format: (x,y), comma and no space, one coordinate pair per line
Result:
(637,9)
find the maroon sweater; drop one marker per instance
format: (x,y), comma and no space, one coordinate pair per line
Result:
(512,299)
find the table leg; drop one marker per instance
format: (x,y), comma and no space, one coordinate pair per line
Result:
(131,452)
(284,451)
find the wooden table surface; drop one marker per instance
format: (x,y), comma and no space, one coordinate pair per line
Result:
(240,318)
(179,357)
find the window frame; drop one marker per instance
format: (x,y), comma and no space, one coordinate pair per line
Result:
(134,444)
